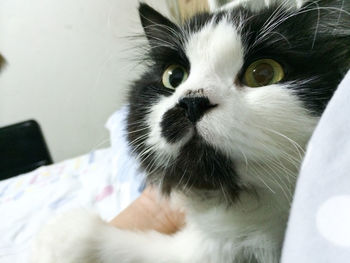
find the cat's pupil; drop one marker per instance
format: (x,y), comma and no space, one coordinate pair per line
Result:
(263,74)
(176,77)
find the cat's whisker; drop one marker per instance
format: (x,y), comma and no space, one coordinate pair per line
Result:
(244,156)
(137,139)
(138,130)
(257,175)
(300,150)
(307,10)
(277,182)
(276,157)
(224,193)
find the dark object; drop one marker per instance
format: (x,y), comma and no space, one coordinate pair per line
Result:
(22,149)
(2,62)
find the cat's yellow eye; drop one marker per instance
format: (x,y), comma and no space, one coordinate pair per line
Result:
(173,76)
(263,72)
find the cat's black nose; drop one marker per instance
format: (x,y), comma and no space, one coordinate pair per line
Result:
(195,107)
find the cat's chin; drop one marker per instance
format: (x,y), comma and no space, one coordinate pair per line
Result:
(198,166)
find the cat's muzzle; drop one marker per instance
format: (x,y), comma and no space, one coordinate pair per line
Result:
(181,119)
(195,107)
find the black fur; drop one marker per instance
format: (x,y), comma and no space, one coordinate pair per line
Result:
(312,44)
(179,120)
(199,166)
(175,124)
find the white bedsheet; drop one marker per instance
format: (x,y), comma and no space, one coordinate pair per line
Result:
(104,181)
(28,201)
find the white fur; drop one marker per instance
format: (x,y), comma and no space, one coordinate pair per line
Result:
(264,129)
(213,234)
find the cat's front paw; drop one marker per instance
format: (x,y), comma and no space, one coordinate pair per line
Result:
(69,238)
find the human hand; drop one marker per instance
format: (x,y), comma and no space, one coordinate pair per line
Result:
(148,212)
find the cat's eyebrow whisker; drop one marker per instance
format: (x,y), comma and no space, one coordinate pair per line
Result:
(162,43)
(317,25)
(277,21)
(305,10)
(270,26)
(340,13)
(175,36)
(161,28)
(275,16)
(262,38)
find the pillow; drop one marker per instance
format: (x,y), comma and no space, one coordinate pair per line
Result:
(318,228)
(124,164)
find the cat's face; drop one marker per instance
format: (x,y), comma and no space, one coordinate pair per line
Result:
(233,88)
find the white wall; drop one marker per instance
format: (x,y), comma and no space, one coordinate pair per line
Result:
(68,67)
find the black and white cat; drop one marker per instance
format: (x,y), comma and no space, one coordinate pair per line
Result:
(220,120)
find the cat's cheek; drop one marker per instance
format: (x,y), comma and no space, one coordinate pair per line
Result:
(169,129)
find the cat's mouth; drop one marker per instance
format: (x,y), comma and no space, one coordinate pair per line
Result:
(187,161)
(180,121)
(198,167)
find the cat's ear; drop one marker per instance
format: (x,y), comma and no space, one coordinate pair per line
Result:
(157,27)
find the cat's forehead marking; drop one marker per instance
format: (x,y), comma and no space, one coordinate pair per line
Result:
(216,46)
